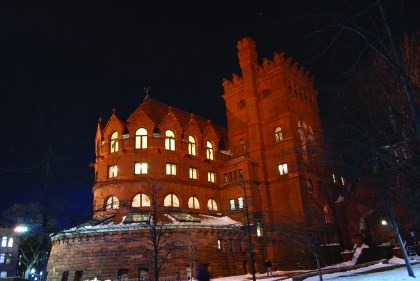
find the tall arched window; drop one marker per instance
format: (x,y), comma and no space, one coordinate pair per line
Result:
(306,136)
(242,148)
(171,200)
(212,205)
(278,134)
(193,203)
(112,203)
(209,151)
(327,214)
(141,138)
(114,142)
(170,140)
(141,200)
(191,145)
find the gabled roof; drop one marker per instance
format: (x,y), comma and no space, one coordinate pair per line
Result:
(158,111)
(239,159)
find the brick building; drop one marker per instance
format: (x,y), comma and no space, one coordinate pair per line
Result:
(200,177)
(9,252)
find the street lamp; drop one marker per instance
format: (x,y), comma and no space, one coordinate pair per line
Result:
(20,229)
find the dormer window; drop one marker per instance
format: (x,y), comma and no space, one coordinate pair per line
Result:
(141,138)
(209,151)
(170,140)
(114,142)
(191,145)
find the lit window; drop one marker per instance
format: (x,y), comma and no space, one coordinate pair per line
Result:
(170,140)
(343,182)
(141,200)
(140,168)
(171,200)
(10,243)
(112,171)
(333,177)
(193,203)
(283,169)
(242,146)
(3,274)
(2,256)
(219,244)
(4,241)
(209,151)
(8,259)
(232,204)
(240,203)
(112,203)
(327,214)
(212,205)
(141,138)
(191,145)
(278,134)
(193,173)
(114,142)
(211,176)
(226,177)
(259,230)
(171,169)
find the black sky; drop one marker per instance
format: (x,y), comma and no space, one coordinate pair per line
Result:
(93,56)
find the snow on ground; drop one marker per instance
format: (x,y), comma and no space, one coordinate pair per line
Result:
(397,274)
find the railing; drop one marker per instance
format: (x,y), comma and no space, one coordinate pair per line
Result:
(163,278)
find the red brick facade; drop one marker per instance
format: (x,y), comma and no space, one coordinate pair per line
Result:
(273,129)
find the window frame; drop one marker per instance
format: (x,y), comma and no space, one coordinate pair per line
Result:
(193,173)
(112,171)
(192,146)
(283,169)
(171,169)
(142,166)
(170,140)
(140,138)
(141,200)
(113,144)
(193,203)
(114,204)
(211,176)
(212,205)
(172,196)
(278,134)
(232,204)
(209,151)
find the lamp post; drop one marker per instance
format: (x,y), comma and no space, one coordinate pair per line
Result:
(19,229)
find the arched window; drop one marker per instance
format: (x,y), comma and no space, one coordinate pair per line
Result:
(114,142)
(327,214)
(278,134)
(112,203)
(171,200)
(209,151)
(141,138)
(307,139)
(193,203)
(141,200)
(212,205)
(170,140)
(191,145)
(242,148)
(310,187)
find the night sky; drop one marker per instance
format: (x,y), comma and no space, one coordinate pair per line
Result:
(88,57)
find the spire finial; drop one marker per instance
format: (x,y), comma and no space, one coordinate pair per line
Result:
(147,90)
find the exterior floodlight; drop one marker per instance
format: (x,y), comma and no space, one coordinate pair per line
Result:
(32,270)
(384,222)
(21,228)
